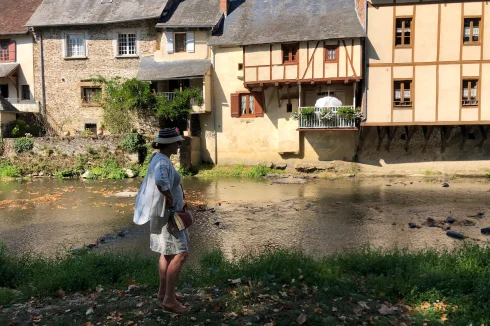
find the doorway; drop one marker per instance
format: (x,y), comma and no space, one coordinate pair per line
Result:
(4,90)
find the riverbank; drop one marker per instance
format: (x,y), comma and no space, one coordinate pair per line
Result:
(276,288)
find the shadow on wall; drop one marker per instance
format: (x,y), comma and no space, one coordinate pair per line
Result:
(412,145)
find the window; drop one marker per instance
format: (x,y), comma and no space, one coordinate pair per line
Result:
(4,90)
(471,30)
(403,32)
(26,92)
(75,45)
(89,94)
(290,53)
(92,127)
(247,105)
(240,66)
(4,51)
(126,44)
(180,42)
(403,93)
(331,53)
(470,92)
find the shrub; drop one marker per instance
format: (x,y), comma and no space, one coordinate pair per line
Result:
(258,171)
(7,169)
(108,169)
(19,129)
(132,142)
(307,111)
(23,144)
(66,173)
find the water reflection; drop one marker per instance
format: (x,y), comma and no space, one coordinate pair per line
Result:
(320,217)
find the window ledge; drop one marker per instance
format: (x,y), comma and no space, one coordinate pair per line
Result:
(403,46)
(471,44)
(76,58)
(133,56)
(290,63)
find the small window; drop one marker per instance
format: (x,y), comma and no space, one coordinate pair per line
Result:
(126,44)
(75,45)
(180,42)
(92,127)
(470,92)
(26,92)
(4,90)
(4,51)
(89,94)
(471,31)
(290,53)
(240,66)
(331,53)
(403,93)
(403,32)
(247,107)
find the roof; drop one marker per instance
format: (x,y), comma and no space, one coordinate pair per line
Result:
(151,70)
(7,69)
(192,13)
(15,14)
(277,21)
(6,106)
(91,12)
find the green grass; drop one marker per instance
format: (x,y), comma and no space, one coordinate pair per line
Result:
(108,169)
(8,169)
(457,280)
(235,171)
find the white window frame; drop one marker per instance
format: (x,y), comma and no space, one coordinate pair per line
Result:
(115,42)
(65,45)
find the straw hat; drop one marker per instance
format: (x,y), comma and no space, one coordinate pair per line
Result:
(168,136)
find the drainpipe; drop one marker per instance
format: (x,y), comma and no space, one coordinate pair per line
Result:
(43,85)
(213,107)
(364,110)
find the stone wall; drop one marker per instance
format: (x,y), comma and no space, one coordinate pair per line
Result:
(63,76)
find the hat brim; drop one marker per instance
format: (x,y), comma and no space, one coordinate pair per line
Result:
(170,140)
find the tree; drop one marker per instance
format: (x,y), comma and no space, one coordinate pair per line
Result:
(176,111)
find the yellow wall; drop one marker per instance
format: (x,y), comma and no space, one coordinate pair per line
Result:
(201,50)
(311,62)
(436,63)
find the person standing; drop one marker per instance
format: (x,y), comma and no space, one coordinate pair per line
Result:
(160,191)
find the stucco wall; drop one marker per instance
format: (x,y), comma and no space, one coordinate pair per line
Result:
(62,76)
(201,50)
(436,62)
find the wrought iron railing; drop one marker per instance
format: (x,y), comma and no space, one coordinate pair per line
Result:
(171,95)
(313,120)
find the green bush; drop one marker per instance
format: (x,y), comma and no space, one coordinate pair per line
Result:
(7,169)
(19,128)
(132,142)
(258,171)
(108,169)
(67,173)
(23,144)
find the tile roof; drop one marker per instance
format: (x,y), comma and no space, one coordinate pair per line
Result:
(276,21)
(149,69)
(91,12)
(192,13)
(15,14)
(7,68)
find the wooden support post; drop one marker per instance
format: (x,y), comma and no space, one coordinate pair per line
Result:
(409,132)
(427,134)
(360,141)
(484,135)
(391,132)
(381,136)
(445,133)
(464,136)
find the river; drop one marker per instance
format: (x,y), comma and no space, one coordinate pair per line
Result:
(49,217)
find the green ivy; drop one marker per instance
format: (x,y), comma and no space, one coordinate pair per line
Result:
(178,109)
(23,144)
(132,142)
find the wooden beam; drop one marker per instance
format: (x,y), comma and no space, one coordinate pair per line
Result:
(427,134)
(391,132)
(309,62)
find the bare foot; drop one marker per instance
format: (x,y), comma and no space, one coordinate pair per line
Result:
(178,297)
(175,307)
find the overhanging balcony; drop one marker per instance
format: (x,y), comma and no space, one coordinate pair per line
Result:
(26,106)
(197,109)
(332,117)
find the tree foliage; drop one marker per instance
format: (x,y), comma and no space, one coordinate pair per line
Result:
(178,109)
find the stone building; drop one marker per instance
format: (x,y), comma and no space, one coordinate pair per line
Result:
(16,60)
(80,39)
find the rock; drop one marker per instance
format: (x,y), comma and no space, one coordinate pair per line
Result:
(412,225)
(41,174)
(450,220)
(270,165)
(305,168)
(446,228)
(455,235)
(66,133)
(485,230)
(102,240)
(431,222)
(129,173)
(339,203)
(280,166)
(445,185)
(86,174)
(126,194)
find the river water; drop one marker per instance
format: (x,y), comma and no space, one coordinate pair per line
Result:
(241,216)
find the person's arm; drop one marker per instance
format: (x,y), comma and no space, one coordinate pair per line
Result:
(163,181)
(168,196)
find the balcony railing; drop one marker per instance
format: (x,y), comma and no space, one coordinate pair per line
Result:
(171,95)
(315,121)
(28,106)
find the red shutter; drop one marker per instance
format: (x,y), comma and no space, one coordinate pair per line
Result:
(12,54)
(259,103)
(235,105)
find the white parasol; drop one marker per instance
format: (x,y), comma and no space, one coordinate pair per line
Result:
(327,101)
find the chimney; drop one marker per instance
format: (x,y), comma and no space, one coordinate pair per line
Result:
(224,6)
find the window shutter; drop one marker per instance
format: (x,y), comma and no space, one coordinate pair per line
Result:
(235,105)
(259,103)
(190,42)
(12,54)
(170,42)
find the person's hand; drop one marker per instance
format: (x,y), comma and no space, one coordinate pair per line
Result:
(170,200)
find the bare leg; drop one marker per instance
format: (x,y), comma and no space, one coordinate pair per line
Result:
(162,270)
(173,272)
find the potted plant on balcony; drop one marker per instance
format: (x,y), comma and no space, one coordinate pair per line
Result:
(326,114)
(306,113)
